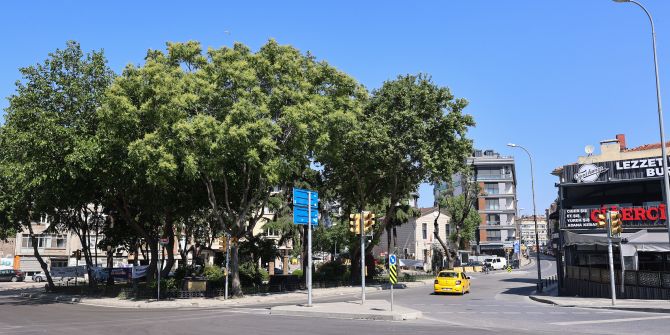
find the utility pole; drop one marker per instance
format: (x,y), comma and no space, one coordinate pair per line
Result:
(362,231)
(611,257)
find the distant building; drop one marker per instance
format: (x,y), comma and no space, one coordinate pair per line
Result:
(415,239)
(527,227)
(495,174)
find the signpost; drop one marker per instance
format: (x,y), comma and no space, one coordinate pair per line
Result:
(393,274)
(305,211)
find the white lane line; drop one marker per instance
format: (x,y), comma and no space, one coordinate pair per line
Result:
(570,323)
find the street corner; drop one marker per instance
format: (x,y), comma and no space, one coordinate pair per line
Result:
(354,310)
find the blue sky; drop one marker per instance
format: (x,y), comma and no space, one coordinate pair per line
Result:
(553,76)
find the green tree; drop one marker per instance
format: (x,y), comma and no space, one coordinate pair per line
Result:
(49,141)
(259,118)
(147,187)
(409,131)
(462,214)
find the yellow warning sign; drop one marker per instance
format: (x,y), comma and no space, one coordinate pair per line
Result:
(393,274)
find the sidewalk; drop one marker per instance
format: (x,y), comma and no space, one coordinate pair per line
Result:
(371,310)
(638,305)
(269,298)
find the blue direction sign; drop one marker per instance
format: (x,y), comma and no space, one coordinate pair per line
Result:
(516,247)
(392,259)
(300,197)
(305,203)
(300,215)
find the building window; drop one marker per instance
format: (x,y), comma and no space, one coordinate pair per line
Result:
(492,219)
(60,242)
(491,188)
(493,235)
(58,263)
(489,173)
(493,204)
(424,230)
(42,241)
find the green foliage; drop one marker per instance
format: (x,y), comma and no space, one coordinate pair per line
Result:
(332,271)
(250,274)
(297,273)
(213,273)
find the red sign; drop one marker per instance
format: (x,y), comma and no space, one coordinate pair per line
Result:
(634,213)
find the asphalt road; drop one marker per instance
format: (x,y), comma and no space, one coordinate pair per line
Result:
(498,304)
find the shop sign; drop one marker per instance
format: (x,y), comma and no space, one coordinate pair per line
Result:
(614,170)
(632,217)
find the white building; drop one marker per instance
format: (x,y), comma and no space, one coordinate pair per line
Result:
(527,227)
(415,239)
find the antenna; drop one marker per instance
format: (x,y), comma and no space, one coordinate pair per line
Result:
(588,149)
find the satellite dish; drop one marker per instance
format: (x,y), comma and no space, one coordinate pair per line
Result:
(588,149)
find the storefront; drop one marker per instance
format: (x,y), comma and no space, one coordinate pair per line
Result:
(634,188)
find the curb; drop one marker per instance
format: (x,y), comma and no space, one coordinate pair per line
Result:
(622,308)
(60,298)
(141,304)
(350,316)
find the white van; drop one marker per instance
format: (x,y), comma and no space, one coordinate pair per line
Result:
(496,263)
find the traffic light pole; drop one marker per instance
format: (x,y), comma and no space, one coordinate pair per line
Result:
(309,249)
(362,231)
(611,257)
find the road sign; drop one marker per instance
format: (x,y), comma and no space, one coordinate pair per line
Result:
(393,260)
(507,244)
(393,274)
(301,215)
(164,241)
(509,269)
(301,197)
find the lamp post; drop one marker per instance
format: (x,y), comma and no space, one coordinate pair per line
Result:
(537,237)
(666,182)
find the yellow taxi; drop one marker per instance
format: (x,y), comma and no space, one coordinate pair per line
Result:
(452,282)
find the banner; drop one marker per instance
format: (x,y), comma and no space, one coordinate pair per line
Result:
(68,271)
(100,274)
(6,263)
(140,271)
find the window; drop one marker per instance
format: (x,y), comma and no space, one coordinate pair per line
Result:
(424,230)
(492,219)
(491,188)
(57,263)
(488,173)
(493,204)
(42,240)
(60,242)
(493,235)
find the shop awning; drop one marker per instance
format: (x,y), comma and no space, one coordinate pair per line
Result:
(632,242)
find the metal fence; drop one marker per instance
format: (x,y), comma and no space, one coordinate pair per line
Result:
(595,282)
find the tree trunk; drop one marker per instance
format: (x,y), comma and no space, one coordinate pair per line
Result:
(236,289)
(43,264)
(152,245)
(169,248)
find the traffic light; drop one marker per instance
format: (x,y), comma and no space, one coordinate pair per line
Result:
(76,254)
(369,221)
(354,223)
(615,223)
(602,221)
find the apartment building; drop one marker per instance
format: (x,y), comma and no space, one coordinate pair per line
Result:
(497,203)
(527,227)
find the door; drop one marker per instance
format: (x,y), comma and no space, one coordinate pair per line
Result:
(4,275)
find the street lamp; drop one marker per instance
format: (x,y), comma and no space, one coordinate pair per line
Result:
(666,183)
(537,237)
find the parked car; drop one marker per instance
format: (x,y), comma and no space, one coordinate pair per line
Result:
(12,275)
(39,277)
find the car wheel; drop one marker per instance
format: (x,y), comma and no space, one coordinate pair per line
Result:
(38,279)
(14,279)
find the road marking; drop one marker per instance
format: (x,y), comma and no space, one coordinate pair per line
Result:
(570,323)
(511,312)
